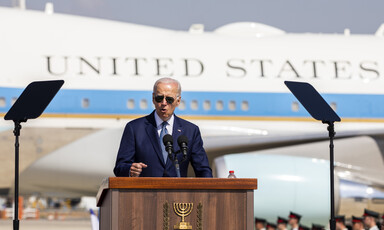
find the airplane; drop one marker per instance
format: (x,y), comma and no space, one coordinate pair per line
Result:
(232,87)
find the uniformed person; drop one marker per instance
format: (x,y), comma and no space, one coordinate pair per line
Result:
(303,227)
(382,223)
(340,223)
(282,223)
(271,226)
(294,220)
(317,227)
(260,223)
(357,223)
(370,218)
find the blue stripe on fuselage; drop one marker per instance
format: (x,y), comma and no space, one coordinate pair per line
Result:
(109,102)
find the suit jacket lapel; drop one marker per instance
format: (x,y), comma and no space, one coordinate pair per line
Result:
(153,136)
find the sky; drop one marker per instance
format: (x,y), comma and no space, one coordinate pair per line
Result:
(294,16)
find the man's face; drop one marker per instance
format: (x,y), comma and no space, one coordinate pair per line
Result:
(339,225)
(357,226)
(259,225)
(292,221)
(281,226)
(163,108)
(368,220)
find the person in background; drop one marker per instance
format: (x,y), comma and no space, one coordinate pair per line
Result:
(317,227)
(382,222)
(303,227)
(340,223)
(370,218)
(294,220)
(260,223)
(282,223)
(357,223)
(271,226)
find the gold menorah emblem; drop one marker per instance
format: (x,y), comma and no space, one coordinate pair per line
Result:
(183,210)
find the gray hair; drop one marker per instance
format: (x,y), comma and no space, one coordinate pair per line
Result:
(167,80)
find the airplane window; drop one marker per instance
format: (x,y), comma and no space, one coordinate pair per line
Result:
(194,105)
(2,102)
(334,106)
(219,105)
(232,105)
(143,104)
(14,99)
(131,104)
(85,103)
(295,106)
(207,105)
(182,105)
(244,106)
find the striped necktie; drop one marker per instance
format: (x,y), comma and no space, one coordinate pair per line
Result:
(162,134)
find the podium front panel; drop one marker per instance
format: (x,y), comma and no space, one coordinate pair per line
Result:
(162,209)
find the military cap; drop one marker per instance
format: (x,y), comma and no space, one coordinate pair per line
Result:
(281,220)
(357,219)
(371,213)
(260,220)
(340,219)
(294,215)
(270,225)
(303,227)
(317,227)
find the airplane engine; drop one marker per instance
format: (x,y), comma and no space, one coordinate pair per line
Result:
(285,183)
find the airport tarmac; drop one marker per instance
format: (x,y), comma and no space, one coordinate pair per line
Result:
(48,224)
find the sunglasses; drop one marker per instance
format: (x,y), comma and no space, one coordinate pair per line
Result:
(159,99)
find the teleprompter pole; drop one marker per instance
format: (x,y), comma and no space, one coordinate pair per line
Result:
(16,132)
(331,131)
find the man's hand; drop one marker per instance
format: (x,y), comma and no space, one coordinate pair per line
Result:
(137,168)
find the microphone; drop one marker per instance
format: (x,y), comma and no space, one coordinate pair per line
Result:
(168,143)
(183,143)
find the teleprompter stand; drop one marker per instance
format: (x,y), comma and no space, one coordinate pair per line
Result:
(319,109)
(30,105)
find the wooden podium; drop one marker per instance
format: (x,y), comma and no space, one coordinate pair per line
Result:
(176,203)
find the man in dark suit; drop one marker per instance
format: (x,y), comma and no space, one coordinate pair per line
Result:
(141,151)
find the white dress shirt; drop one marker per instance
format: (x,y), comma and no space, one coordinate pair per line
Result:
(169,125)
(374,228)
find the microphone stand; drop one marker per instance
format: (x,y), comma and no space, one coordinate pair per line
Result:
(175,162)
(173,156)
(177,166)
